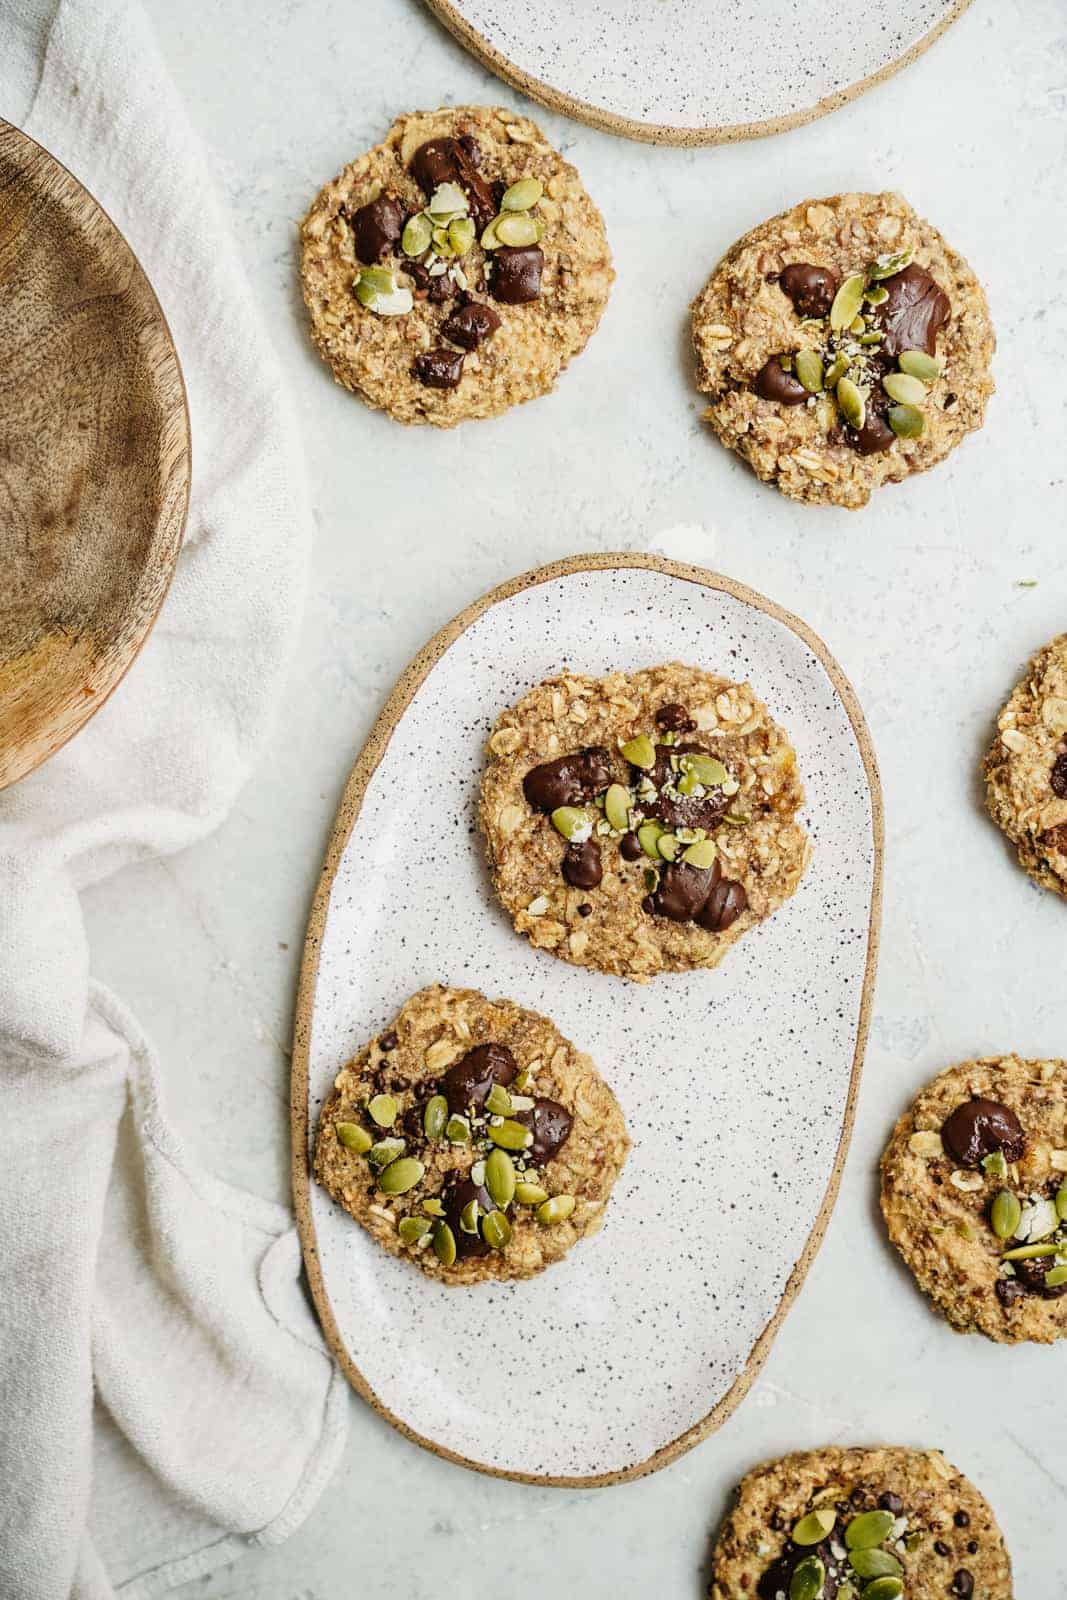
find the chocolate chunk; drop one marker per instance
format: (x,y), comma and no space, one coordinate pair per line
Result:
(517,273)
(569,779)
(891,1502)
(724,905)
(585,910)
(962,1519)
(388,1041)
(915,311)
(437,290)
(630,847)
(810,288)
(1032,1274)
(455,161)
(1058,776)
(439,368)
(468,1081)
(683,890)
(979,1127)
(471,324)
(550,1124)
(376,228)
(1055,839)
(582,867)
(457,1195)
(1009,1290)
(774,383)
(674,718)
(875,436)
(941,1548)
(963,1584)
(687,810)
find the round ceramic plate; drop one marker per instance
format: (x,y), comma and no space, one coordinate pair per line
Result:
(94,478)
(694,71)
(737,1085)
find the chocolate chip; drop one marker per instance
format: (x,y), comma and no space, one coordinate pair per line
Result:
(1009,1290)
(585,910)
(569,779)
(972,1547)
(963,1584)
(582,867)
(978,1128)
(962,1519)
(517,273)
(810,288)
(942,1548)
(724,905)
(1031,1274)
(875,436)
(1058,776)
(550,1124)
(891,1502)
(471,325)
(376,227)
(388,1041)
(455,1196)
(774,383)
(437,290)
(630,847)
(468,1081)
(439,368)
(683,890)
(913,314)
(455,161)
(674,718)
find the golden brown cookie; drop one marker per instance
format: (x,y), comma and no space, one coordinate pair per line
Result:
(641,823)
(829,1524)
(455,269)
(974,1192)
(843,345)
(1026,768)
(471,1138)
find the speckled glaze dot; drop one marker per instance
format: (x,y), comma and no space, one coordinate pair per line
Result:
(594,1376)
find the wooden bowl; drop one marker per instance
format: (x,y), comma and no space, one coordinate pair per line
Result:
(94,455)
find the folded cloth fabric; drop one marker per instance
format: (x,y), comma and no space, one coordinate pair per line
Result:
(164,1395)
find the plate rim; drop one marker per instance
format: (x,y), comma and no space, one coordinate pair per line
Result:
(663,133)
(171,386)
(366,764)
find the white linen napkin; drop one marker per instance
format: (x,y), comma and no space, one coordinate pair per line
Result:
(124,1270)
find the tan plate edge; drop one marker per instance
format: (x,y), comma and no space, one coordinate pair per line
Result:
(351,801)
(656,133)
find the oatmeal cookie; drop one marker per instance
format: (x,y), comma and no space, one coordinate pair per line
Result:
(455,269)
(832,1524)
(471,1138)
(844,345)
(1026,768)
(974,1192)
(641,824)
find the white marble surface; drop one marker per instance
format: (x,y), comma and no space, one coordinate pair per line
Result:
(918,597)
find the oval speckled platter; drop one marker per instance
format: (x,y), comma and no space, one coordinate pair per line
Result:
(628,67)
(726,1098)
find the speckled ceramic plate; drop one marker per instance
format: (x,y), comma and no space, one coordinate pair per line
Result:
(695,71)
(737,1084)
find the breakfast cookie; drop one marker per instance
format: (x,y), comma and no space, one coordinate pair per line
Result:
(974,1191)
(836,1524)
(471,1138)
(455,269)
(1026,768)
(844,345)
(641,824)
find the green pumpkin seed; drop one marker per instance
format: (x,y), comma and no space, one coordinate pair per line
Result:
(353,1137)
(648,837)
(400,1176)
(1004,1214)
(489,240)
(852,402)
(888,266)
(906,390)
(500,1177)
(518,229)
(688,783)
(433,1208)
(701,854)
(883,1589)
(558,1209)
(836,370)
(1061,1202)
(377,280)
(870,339)
(385,303)
(809,1576)
(651,880)
(876,295)
(875,1564)
(530,1194)
(386,1150)
(412,1229)
(461,235)
(815,1527)
(1055,1277)
(382,1110)
(447,200)
(995,1165)
(524,1081)
(809,369)
(711,773)
(917,364)
(458,1130)
(870,1528)
(617,803)
(510,1135)
(498,1101)
(435,1116)
(847,302)
(858,325)
(847,1591)
(907,422)
(522,195)
(573,823)
(640,752)
(442,244)
(496,1230)
(1031,1252)
(912,1541)
(668,846)
(418,231)
(468,1217)
(444,1244)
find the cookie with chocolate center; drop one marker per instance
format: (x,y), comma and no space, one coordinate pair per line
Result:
(455,269)
(843,345)
(641,823)
(471,1139)
(1026,768)
(974,1193)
